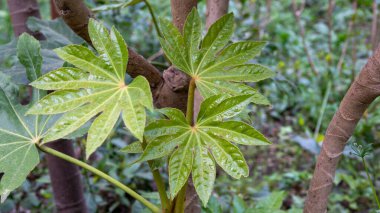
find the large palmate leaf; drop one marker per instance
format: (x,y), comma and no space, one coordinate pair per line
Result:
(212,62)
(96,86)
(19,134)
(196,148)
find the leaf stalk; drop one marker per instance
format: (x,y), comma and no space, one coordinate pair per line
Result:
(101,174)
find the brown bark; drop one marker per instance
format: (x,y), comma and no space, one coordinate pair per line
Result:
(180,9)
(214,10)
(67,188)
(20,11)
(66,180)
(53,10)
(362,92)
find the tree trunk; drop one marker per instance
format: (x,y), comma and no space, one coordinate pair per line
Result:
(215,9)
(65,177)
(20,11)
(66,180)
(363,91)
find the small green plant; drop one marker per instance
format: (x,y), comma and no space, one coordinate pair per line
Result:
(96,87)
(362,150)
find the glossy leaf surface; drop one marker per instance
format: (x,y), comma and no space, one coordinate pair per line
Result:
(194,148)
(95,87)
(212,61)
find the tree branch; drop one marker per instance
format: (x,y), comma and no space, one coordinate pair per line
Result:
(362,92)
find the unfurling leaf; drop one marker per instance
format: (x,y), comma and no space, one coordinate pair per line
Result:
(95,87)
(212,62)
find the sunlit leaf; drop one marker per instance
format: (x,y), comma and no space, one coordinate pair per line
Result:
(95,88)
(237,132)
(180,165)
(212,62)
(228,156)
(193,148)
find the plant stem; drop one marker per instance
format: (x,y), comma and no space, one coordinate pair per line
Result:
(101,174)
(180,199)
(370,182)
(190,102)
(322,111)
(165,202)
(147,3)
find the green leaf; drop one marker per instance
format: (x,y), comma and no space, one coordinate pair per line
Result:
(228,156)
(216,38)
(237,132)
(134,147)
(28,53)
(239,206)
(228,108)
(235,54)
(173,43)
(85,59)
(111,48)
(174,114)
(209,62)
(134,118)
(242,73)
(95,88)
(272,202)
(211,88)
(164,127)
(144,94)
(18,136)
(102,126)
(69,78)
(66,100)
(204,173)
(192,36)
(72,120)
(163,146)
(180,165)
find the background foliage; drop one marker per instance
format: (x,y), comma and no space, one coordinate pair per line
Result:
(302,106)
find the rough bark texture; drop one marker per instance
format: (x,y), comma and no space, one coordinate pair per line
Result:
(215,10)
(180,9)
(166,89)
(362,92)
(20,11)
(66,180)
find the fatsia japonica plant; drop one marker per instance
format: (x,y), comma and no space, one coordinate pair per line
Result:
(93,88)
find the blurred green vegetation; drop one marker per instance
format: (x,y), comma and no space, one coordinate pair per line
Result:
(303,103)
